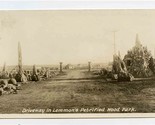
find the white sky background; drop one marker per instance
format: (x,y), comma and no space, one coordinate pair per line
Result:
(48,37)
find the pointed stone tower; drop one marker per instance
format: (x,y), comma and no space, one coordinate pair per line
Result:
(137,60)
(20,59)
(4,74)
(137,43)
(20,77)
(119,54)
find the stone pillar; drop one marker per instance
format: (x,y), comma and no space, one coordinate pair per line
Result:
(89,66)
(60,67)
(34,70)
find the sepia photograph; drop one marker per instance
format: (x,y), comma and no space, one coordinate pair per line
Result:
(77,62)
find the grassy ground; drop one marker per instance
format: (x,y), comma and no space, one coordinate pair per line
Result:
(66,91)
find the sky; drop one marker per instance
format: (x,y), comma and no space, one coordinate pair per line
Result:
(72,36)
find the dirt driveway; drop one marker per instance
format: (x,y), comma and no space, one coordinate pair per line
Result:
(77,89)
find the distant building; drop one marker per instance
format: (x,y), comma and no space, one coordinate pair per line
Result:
(69,66)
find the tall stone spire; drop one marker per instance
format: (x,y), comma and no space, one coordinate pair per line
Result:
(19,58)
(138,44)
(119,54)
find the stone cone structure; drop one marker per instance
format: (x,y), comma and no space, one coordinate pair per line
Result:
(35,76)
(20,77)
(137,60)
